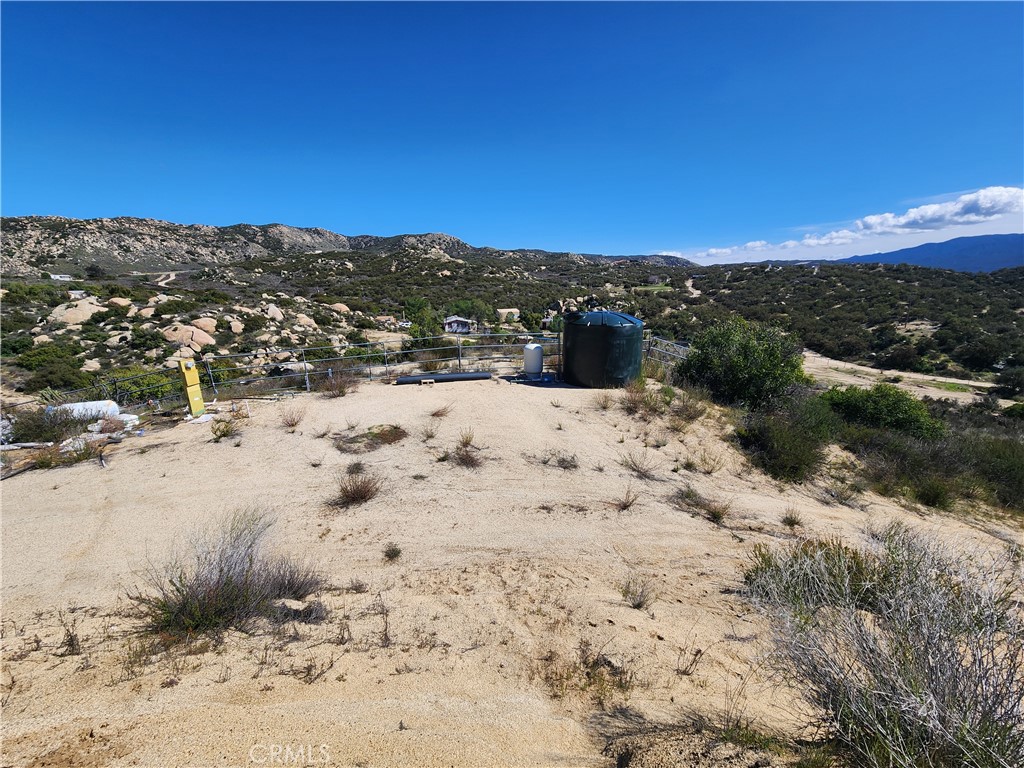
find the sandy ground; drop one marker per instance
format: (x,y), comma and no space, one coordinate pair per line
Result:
(829,371)
(505,570)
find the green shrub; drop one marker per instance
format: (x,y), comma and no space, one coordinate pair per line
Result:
(254,323)
(175,307)
(61,373)
(45,426)
(1010,382)
(884,405)
(135,384)
(742,362)
(147,338)
(33,293)
(42,355)
(15,345)
(788,440)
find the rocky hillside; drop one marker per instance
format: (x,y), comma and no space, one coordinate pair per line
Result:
(34,246)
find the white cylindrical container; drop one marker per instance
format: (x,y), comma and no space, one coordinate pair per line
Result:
(533,359)
(92,409)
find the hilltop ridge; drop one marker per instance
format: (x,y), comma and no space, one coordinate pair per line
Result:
(37,245)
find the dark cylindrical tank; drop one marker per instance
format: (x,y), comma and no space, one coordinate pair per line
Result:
(602,349)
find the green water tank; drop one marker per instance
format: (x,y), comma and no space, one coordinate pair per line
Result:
(602,349)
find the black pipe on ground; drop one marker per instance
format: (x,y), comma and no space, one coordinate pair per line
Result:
(440,377)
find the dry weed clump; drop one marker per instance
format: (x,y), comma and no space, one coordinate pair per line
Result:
(908,652)
(637,400)
(338,384)
(356,488)
(228,580)
(292,416)
(465,453)
(603,400)
(640,463)
(638,593)
(689,500)
(629,498)
(444,410)
(560,459)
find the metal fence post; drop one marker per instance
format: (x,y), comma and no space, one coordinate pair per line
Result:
(458,342)
(305,369)
(384,346)
(209,372)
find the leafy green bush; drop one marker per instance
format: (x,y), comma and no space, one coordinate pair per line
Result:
(742,362)
(1011,382)
(135,384)
(14,345)
(788,439)
(33,293)
(223,370)
(175,307)
(42,355)
(60,373)
(44,426)
(884,405)
(254,323)
(147,338)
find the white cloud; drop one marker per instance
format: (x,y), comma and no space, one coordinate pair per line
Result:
(972,208)
(985,211)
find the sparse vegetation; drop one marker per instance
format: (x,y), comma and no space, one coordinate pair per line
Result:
(339,384)
(690,500)
(792,519)
(560,459)
(292,416)
(392,552)
(638,593)
(629,498)
(641,463)
(907,650)
(228,580)
(223,428)
(39,425)
(356,488)
(591,672)
(443,411)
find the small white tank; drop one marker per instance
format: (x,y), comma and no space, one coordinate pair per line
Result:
(533,359)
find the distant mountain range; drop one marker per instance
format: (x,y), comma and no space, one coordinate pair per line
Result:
(982,253)
(36,245)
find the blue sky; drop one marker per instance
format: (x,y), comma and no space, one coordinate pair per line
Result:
(729,131)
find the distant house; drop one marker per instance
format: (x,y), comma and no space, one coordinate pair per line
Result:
(510,315)
(62,278)
(77,295)
(456,324)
